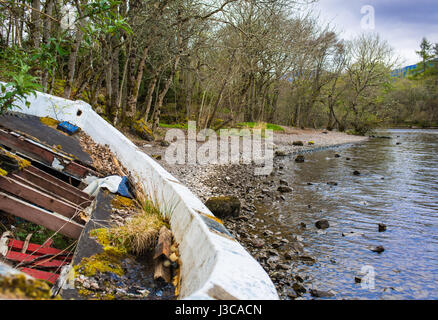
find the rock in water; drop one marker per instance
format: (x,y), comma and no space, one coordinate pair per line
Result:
(224,207)
(356,173)
(321,294)
(299,289)
(300,159)
(382,227)
(322,224)
(378,249)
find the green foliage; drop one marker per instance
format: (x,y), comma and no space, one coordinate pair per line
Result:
(176,125)
(104,19)
(260,125)
(46,55)
(41,234)
(21,83)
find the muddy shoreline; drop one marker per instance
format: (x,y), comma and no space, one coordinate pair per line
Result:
(277,255)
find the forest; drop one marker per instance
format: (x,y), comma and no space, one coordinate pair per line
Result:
(217,62)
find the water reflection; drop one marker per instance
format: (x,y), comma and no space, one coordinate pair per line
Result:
(398,186)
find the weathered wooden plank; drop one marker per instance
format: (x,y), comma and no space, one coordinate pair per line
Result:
(59,182)
(22,145)
(35,186)
(53,187)
(44,154)
(49,220)
(39,198)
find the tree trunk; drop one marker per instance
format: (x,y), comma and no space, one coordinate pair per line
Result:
(135,87)
(157,110)
(221,92)
(35,25)
(74,55)
(115,81)
(46,35)
(150,95)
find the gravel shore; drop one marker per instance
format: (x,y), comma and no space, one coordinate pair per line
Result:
(273,252)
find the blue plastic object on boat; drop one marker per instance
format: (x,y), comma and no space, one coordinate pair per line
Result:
(68,128)
(124,188)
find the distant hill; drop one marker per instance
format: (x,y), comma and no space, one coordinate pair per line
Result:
(402,72)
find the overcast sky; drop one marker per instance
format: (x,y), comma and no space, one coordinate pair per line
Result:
(403,23)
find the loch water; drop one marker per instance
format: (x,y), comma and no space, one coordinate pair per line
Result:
(397,186)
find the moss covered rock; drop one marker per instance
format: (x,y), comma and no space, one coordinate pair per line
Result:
(22,287)
(224,207)
(140,128)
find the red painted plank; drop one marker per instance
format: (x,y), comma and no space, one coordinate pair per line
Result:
(37,249)
(23,257)
(41,275)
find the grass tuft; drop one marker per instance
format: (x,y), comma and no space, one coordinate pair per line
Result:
(259,125)
(140,232)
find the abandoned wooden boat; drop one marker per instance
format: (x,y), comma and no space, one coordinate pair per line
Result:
(213,265)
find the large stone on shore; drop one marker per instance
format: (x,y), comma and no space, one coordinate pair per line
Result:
(280,153)
(224,207)
(300,159)
(284,189)
(140,129)
(298,143)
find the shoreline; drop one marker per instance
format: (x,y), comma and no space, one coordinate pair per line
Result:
(215,180)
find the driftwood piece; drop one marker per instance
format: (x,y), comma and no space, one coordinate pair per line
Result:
(161,257)
(164,242)
(161,271)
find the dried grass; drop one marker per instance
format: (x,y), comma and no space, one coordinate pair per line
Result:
(140,232)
